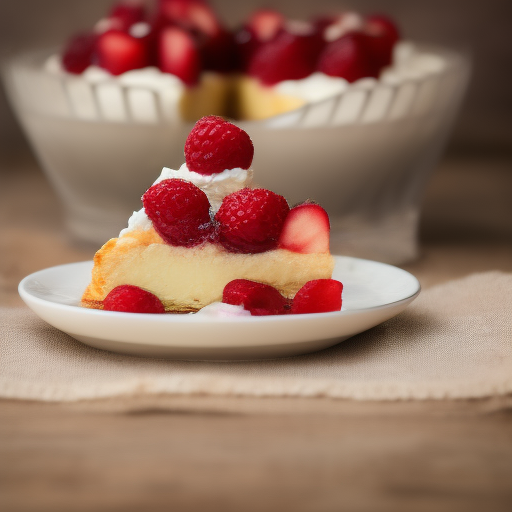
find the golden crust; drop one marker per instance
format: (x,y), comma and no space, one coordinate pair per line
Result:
(187,279)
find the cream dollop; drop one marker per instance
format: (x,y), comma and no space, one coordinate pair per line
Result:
(215,186)
(222,310)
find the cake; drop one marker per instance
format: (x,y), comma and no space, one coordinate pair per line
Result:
(270,65)
(204,236)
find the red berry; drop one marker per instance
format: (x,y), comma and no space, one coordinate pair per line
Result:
(348,57)
(251,220)
(218,52)
(180,212)
(382,37)
(306,230)
(132,299)
(179,55)
(127,13)
(265,24)
(318,296)
(194,15)
(291,55)
(258,298)
(78,53)
(214,145)
(119,52)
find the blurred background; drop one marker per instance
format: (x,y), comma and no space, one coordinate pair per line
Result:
(469,193)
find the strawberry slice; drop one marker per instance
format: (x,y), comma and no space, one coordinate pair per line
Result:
(179,55)
(78,53)
(119,52)
(349,57)
(265,24)
(191,15)
(258,298)
(291,55)
(306,230)
(126,14)
(318,296)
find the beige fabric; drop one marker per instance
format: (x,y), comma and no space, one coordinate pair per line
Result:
(454,341)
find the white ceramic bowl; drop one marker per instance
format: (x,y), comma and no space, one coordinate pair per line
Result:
(364,154)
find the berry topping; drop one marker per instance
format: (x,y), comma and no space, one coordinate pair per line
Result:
(382,37)
(214,145)
(180,212)
(318,296)
(119,52)
(78,53)
(219,52)
(179,55)
(132,299)
(126,13)
(258,298)
(251,220)
(193,15)
(348,57)
(291,55)
(306,230)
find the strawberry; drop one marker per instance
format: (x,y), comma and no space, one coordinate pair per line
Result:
(306,230)
(119,52)
(178,55)
(348,57)
(318,296)
(291,55)
(265,24)
(382,37)
(195,15)
(180,212)
(214,145)
(218,52)
(251,220)
(132,299)
(126,14)
(258,298)
(79,52)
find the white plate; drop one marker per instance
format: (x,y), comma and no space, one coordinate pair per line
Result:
(373,292)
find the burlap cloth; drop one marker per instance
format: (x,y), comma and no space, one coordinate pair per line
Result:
(454,341)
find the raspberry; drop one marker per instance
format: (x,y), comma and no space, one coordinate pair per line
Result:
(251,220)
(214,145)
(318,296)
(383,35)
(258,298)
(348,57)
(132,299)
(180,212)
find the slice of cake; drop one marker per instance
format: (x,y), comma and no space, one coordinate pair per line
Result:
(203,228)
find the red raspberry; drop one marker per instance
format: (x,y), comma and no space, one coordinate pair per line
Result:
(251,220)
(127,14)
(318,296)
(291,55)
(79,52)
(258,298)
(132,299)
(383,35)
(214,145)
(180,212)
(348,57)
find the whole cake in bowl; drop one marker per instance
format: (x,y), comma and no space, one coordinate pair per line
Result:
(204,236)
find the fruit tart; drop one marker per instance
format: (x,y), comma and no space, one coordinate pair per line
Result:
(183,52)
(204,236)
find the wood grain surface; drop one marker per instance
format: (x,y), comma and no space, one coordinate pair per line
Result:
(245,454)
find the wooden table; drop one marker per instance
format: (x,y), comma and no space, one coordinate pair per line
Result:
(245,454)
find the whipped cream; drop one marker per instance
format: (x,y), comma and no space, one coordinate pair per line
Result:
(222,310)
(215,186)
